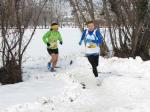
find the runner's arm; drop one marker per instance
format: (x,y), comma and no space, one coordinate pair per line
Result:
(100,38)
(60,38)
(83,36)
(45,37)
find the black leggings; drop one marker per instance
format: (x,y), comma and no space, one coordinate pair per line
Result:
(94,60)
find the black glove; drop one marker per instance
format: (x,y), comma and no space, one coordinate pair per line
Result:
(48,44)
(61,42)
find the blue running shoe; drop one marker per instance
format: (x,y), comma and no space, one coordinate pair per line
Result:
(49,66)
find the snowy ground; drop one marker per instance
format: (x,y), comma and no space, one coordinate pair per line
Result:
(125,86)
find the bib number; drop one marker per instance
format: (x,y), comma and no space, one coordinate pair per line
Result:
(54,44)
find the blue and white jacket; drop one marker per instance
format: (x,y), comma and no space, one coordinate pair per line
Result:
(92,41)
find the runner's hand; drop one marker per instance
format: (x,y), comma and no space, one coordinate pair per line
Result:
(61,42)
(48,44)
(80,43)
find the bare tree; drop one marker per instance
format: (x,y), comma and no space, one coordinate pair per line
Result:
(128,22)
(83,10)
(15,17)
(53,10)
(76,13)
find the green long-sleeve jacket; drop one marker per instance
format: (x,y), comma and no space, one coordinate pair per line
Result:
(52,37)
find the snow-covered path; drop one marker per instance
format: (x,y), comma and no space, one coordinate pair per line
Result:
(126,89)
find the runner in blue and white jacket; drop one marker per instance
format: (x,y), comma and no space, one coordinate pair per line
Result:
(93,39)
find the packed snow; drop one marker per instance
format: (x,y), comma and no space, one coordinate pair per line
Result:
(125,86)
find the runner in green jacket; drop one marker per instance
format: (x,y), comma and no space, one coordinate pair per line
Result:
(51,39)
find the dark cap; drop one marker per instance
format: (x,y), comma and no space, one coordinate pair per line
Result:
(54,24)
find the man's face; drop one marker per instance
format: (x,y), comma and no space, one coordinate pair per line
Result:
(55,27)
(91,26)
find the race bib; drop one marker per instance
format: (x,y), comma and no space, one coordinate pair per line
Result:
(91,46)
(53,44)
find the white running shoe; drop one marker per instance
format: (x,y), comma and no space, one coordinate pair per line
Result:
(98,81)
